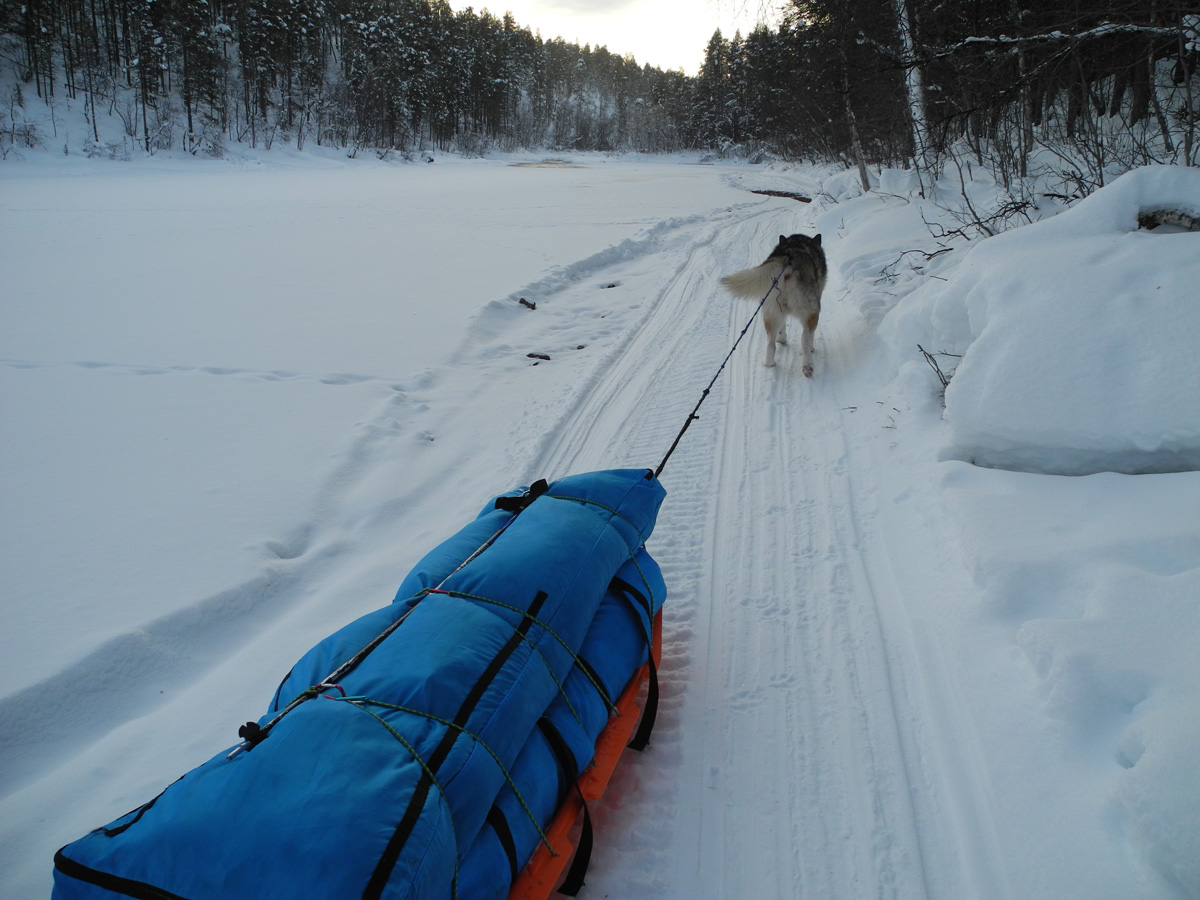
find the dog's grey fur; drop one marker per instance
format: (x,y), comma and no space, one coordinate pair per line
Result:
(799,263)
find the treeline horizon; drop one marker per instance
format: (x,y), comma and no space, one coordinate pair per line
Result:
(870,82)
(379,74)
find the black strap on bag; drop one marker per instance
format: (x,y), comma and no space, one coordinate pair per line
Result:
(568,767)
(504,834)
(583,854)
(391,854)
(516,504)
(641,738)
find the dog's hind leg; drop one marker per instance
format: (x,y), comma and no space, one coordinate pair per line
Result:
(806,342)
(773,323)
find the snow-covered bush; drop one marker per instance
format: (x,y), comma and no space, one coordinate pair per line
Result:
(1078,337)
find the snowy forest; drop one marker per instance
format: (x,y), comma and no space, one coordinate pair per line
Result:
(1103,85)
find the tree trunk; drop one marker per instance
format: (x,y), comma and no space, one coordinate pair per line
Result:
(1152,91)
(1189,127)
(1027,101)
(852,122)
(915,90)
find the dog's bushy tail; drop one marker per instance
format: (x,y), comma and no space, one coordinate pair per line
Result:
(752,283)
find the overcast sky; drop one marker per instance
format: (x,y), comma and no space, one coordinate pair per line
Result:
(669,34)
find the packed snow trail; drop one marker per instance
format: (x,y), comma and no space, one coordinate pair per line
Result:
(794,756)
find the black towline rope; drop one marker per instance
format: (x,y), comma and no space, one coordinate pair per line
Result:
(704,396)
(253,734)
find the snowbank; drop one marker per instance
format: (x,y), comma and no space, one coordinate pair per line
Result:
(1098,576)
(1078,337)
(1078,344)
(1087,585)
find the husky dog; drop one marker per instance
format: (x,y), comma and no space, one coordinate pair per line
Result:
(798,262)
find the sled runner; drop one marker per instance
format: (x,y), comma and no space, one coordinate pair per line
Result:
(428,749)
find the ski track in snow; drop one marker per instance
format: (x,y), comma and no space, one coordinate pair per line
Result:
(793,685)
(779,657)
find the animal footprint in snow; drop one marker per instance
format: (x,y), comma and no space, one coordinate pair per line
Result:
(784,682)
(767,606)
(746,700)
(343,378)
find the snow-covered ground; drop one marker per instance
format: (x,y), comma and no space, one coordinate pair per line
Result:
(239,400)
